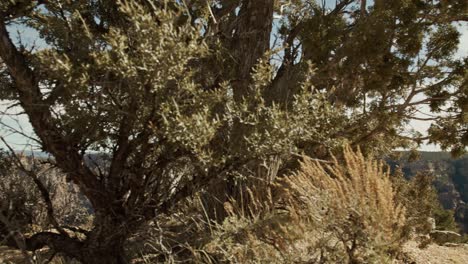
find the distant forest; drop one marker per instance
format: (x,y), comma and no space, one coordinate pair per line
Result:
(450,179)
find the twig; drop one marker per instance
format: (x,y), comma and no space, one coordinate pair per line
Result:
(211,12)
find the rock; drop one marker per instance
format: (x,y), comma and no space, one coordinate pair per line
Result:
(452,245)
(441,237)
(431,223)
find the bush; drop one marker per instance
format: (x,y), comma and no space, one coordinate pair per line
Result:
(325,213)
(18,199)
(22,206)
(357,209)
(423,207)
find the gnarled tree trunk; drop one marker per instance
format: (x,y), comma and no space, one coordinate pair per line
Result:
(105,243)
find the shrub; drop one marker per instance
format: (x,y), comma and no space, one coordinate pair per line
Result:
(333,212)
(18,200)
(22,205)
(420,198)
(358,206)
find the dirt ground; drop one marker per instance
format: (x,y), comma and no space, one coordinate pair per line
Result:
(435,254)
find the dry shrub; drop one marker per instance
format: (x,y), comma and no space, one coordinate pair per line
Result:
(191,235)
(19,207)
(337,212)
(71,208)
(354,203)
(424,211)
(22,206)
(195,233)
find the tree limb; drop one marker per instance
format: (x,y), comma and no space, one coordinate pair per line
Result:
(44,125)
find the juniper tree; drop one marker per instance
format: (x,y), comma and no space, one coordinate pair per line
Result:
(179,93)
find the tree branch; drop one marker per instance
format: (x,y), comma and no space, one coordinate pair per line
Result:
(44,125)
(55,241)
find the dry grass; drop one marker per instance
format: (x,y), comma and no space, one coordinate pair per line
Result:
(354,204)
(338,212)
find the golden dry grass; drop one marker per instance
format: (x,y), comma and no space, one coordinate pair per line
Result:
(360,187)
(345,211)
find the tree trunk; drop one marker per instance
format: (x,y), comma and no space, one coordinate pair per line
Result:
(105,243)
(251,41)
(109,253)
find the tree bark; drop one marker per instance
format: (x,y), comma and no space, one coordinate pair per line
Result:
(104,244)
(250,41)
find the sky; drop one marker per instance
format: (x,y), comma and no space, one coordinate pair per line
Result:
(20,122)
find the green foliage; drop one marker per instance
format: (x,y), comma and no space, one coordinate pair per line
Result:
(373,59)
(445,219)
(449,182)
(143,74)
(420,198)
(142,67)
